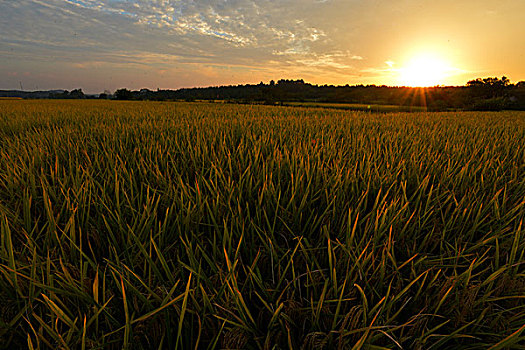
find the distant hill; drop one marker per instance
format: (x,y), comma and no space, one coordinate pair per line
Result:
(30,94)
(54,94)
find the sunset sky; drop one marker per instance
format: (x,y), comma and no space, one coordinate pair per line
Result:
(109,44)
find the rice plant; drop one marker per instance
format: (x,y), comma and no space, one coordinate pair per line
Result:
(144,225)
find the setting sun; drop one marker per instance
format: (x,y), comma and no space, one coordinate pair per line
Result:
(424,71)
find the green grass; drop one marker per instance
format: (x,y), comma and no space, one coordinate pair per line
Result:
(201,226)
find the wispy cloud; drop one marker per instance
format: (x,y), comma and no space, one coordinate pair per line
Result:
(182,28)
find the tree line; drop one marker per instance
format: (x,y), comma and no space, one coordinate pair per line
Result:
(478,94)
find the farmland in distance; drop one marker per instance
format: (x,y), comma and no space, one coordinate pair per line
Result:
(193,225)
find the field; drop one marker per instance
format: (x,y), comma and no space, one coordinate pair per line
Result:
(145,225)
(358,107)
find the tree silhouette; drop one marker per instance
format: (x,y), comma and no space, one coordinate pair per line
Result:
(123,94)
(77,93)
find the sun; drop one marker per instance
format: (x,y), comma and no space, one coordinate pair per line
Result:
(424,71)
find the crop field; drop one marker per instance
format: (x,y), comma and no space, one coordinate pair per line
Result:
(358,107)
(153,225)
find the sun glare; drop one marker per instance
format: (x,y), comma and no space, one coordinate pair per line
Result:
(424,71)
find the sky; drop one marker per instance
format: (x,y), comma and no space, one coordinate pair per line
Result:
(102,45)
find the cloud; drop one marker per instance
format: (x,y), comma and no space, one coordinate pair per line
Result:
(190,42)
(238,22)
(236,30)
(212,38)
(335,60)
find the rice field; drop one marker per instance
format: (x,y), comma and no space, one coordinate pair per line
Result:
(148,225)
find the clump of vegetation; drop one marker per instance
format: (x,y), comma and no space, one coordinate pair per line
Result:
(190,225)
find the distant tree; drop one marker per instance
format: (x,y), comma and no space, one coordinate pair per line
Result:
(103,96)
(108,93)
(77,93)
(489,87)
(504,81)
(123,94)
(63,94)
(475,83)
